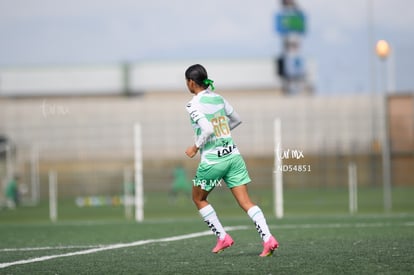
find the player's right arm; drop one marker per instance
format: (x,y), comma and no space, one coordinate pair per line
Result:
(205,127)
(206,132)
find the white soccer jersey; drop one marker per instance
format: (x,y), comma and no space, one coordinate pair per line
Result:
(216,110)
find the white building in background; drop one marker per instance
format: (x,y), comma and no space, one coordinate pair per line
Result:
(146,76)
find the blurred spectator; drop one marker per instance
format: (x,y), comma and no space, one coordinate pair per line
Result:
(12,193)
(180,183)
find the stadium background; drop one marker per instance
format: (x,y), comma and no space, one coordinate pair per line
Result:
(80,122)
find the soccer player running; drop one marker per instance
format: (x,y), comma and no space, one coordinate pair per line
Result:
(212,118)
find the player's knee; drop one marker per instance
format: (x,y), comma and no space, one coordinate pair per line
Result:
(245,204)
(197,199)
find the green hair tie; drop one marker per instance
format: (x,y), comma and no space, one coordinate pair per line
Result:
(209,82)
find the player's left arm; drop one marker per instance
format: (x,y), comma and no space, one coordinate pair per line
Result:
(234,118)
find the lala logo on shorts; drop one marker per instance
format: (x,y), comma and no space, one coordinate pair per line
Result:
(226,151)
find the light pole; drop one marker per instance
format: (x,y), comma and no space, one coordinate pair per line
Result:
(291,25)
(375,146)
(383,51)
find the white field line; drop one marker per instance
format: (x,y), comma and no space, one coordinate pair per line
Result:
(99,248)
(61,247)
(49,248)
(116,246)
(339,225)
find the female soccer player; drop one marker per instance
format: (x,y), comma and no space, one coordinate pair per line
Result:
(213,118)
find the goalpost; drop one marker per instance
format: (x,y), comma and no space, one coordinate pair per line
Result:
(353,188)
(53,196)
(277,172)
(139,189)
(129,199)
(278,176)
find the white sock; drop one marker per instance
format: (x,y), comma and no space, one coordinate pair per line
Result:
(256,214)
(210,217)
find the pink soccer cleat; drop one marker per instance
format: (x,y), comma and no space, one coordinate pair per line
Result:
(223,244)
(269,247)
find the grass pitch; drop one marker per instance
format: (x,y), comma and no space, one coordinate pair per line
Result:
(344,245)
(316,237)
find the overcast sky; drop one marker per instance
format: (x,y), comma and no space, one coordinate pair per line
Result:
(84,32)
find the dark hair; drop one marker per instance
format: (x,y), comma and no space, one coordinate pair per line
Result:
(198,74)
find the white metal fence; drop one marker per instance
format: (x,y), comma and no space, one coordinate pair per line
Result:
(89,141)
